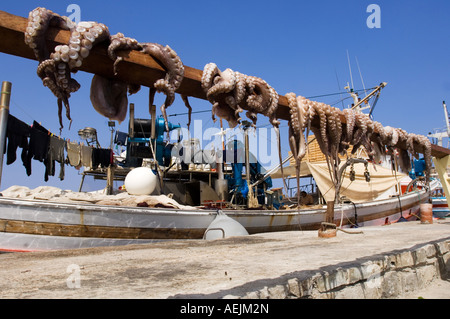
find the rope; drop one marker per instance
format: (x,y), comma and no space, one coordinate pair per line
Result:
(343,230)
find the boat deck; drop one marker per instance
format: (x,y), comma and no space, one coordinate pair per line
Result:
(380,262)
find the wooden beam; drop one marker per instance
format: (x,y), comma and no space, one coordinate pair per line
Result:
(136,68)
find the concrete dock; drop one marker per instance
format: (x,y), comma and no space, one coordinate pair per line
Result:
(391,261)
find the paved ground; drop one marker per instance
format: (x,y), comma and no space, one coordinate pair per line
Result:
(205,269)
(439,289)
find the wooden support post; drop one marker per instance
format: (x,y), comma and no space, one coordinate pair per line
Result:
(328,228)
(441,165)
(110,180)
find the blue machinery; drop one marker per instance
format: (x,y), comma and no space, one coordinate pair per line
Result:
(418,168)
(237,185)
(144,137)
(140,145)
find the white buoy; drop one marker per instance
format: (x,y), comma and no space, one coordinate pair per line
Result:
(140,181)
(222,227)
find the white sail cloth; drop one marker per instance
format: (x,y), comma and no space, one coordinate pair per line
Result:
(381,180)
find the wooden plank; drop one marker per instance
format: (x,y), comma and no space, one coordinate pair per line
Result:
(137,68)
(92,231)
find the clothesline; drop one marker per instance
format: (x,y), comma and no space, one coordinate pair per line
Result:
(40,144)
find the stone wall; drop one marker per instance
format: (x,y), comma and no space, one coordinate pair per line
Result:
(380,276)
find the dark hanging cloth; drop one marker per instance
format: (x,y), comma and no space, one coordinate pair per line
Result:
(102,157)
(55,154)
(17,133)
(39,144)
(121,138)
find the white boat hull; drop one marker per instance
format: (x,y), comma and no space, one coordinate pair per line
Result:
(35,225)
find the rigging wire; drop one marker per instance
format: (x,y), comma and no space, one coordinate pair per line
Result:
(338,93)
(360,74)
(308,97)
(23,110)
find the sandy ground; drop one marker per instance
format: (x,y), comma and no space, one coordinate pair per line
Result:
(206,269)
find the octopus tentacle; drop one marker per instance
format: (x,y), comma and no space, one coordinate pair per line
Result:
(239,92)
(69,58)
(120,42)
(186,103)
(350,119)
(209,72)
(297,142)
(320,111)
(224,82)
(220,90)
(55,69)
(174,74)
(379,141)
(39,20)
(261,98)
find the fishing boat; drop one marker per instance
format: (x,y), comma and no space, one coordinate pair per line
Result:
(205,198)
(37,222)
(39,225)
(211,199)
(439,201)
(438,198)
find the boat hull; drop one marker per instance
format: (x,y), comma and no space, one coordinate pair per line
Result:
(440,207)
(35,225)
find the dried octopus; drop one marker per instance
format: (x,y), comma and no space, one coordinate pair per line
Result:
(167,58)
(52,72)
(232,92)
(334,137)
(299,113)
(225,90)
(108,95)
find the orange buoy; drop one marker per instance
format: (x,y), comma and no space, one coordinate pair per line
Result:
(328,233)
(426,213)
(327,230)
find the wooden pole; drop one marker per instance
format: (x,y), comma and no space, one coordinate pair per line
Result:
(110,179)
(4,113)
(136,67)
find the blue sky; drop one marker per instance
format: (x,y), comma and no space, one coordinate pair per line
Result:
(296,46)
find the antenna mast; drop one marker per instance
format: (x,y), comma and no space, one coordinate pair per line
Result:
(350,69)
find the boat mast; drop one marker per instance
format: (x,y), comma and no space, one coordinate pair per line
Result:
(440,135)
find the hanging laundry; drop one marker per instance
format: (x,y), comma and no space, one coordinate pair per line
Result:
(38,147)
(86,156)
(74,154)
(101,157)
(121,138)
(17,134)
(55,154)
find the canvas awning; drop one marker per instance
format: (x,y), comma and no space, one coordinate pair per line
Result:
(381,180)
